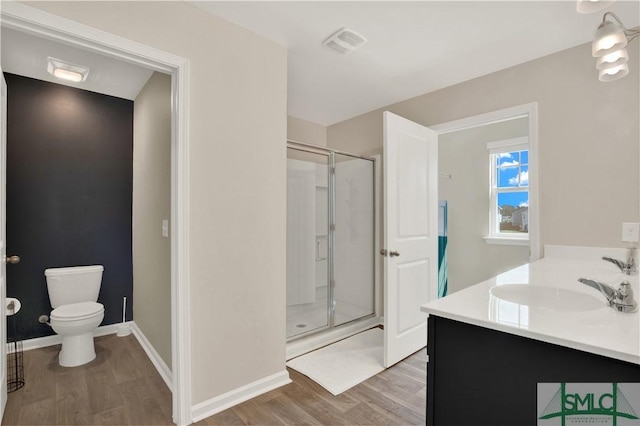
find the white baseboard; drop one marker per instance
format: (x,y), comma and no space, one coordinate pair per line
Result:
(156,360)
(3,403)
(43,342)
(220,403)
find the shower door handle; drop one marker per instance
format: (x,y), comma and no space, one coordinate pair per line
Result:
(318,254)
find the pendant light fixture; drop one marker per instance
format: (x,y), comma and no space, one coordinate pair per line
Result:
(609,47)
(592,6)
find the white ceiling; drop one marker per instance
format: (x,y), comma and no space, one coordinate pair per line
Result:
(26,55)
(413,47)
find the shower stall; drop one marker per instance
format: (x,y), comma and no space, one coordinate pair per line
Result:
(330,239)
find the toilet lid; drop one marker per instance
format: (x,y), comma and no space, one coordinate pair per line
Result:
(77,311)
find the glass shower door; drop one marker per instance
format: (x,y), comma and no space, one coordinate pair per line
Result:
(353,291)
(307,242)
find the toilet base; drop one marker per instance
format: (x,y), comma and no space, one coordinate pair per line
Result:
(77,350)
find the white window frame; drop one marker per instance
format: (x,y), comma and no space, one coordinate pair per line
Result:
(498,147)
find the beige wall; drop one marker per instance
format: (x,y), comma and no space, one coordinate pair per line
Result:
(306,131)
(463,156)
(588,138)
(152,204)
(238,128)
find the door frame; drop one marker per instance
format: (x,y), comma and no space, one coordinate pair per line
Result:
(530,110)
(3,236)
(43,24)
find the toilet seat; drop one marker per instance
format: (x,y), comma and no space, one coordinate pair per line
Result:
(77,311)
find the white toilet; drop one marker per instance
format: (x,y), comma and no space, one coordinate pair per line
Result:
(73,293)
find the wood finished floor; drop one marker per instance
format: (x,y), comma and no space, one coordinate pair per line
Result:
(122,387)
(119,387)
(397,396)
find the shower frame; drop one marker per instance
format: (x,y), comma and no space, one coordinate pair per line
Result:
(331,156)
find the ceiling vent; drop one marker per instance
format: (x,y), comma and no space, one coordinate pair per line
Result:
(345,41)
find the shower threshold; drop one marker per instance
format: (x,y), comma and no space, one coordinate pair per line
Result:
(314,341)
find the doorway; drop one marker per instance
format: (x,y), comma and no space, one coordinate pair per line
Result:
(69,194)
(473,153)
(24,18)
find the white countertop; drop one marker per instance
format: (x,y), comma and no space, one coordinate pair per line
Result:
(599,330)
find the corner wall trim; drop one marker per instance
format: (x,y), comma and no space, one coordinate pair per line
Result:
(236,396)
(153,355)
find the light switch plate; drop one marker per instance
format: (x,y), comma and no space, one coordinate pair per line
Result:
(165,228)
(630,232)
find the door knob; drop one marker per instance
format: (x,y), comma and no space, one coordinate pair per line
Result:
(12,259)
(383,252)
(394,254)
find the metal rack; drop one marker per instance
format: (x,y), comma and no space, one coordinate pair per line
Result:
(15,361)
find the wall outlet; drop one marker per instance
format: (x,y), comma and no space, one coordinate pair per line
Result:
(630,232)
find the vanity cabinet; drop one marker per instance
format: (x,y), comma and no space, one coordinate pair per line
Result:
(479,376)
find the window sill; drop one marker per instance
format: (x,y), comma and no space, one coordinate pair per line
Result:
(507,241)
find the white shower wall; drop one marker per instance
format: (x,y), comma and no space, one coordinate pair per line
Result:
(301,230)
(322,228)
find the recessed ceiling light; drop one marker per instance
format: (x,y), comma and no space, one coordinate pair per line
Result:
(66,71)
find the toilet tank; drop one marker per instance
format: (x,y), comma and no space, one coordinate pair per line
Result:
(73,284)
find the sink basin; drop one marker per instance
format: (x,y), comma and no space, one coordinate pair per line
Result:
(548,297)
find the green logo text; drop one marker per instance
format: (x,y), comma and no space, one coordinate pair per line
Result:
(613,404)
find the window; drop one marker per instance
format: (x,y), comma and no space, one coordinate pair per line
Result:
(509,208)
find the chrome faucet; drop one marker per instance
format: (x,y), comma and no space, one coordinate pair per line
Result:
(626,267)
(621,299)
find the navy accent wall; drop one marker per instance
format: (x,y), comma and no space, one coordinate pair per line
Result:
(69,193)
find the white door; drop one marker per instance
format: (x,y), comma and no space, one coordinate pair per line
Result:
(3,273)
(410,234)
